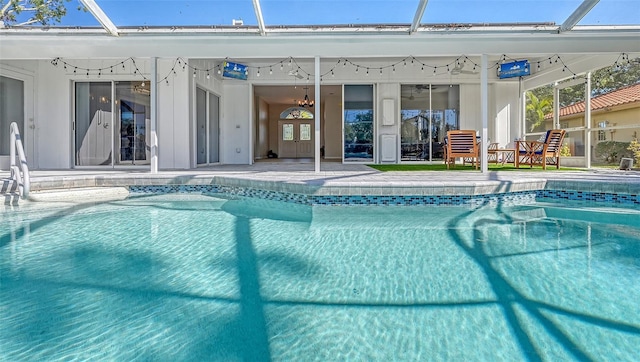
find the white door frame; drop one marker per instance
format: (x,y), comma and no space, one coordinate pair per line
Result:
(30,130)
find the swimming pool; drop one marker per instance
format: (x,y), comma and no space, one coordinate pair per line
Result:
(210,277)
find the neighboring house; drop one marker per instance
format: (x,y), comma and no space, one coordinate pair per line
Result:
(615,116)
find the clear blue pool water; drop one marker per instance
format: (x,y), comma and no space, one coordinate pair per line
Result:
(193,277)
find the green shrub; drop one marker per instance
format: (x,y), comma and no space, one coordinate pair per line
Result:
(565,151)
(612,151)
(634,147)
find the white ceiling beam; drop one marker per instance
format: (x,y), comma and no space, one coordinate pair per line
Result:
(418,16)
(97,13)
(578,14)
(258,9)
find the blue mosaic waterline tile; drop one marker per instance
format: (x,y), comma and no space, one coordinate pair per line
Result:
(503,199)
(584,196)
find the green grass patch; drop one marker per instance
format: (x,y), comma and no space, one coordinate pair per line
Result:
(458,167)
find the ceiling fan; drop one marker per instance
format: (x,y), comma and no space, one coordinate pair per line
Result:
(295,73)
(459,69)
(411,97)
(421,87)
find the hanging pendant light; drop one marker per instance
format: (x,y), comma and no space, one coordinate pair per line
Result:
(306,102)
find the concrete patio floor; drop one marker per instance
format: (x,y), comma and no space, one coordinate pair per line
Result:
(337,176)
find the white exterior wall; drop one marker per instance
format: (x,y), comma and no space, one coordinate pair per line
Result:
(236,124)
(387,121)
(174,118)
(470,112)
(261,131)
(504,110)
(53,96)
(53,115)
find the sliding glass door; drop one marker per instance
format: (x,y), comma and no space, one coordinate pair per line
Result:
(112,123)
(11,109)
(358,130)
(428,111)
(208,127)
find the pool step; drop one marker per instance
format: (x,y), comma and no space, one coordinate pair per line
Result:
(602,215)
(9,191)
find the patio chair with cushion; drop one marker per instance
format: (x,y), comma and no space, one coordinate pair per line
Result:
(541,153)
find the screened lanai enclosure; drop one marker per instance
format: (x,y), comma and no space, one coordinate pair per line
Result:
(188,84)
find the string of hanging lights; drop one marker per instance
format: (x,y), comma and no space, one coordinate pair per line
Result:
(293,68)
(99,72)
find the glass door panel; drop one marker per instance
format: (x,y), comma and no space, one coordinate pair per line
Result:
(93,121)
(358,123)
(207,127)
(11,110)
(201,126)
(214,128)
(134,117)
(428,111)
(101,138)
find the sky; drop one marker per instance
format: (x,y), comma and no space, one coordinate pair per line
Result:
(327,12)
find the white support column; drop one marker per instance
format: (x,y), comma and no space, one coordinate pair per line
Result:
(484,109)
(316,115)
(587,121)
(556,106)
(522,113)
(154,115)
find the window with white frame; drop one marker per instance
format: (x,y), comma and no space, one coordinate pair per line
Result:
(602,135)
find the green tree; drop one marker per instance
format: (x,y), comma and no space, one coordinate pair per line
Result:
(26,12)
(604,80)
(617,76)
(536,110)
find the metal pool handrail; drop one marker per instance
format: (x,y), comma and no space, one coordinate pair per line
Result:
(19,175)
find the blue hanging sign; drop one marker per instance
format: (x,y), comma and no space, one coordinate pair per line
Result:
(518,68)
(234,70)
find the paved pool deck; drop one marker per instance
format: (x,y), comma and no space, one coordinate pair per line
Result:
(336,178)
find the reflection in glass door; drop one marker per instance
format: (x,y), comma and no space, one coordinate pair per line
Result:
(133,133)
(428,112)
(11,110)
(358,123)
(134,118)
(104,139)
(93,123)
(208,127)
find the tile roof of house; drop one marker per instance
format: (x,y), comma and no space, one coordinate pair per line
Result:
(628,94)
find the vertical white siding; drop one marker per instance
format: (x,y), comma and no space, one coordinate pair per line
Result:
(470,117)
(236,122)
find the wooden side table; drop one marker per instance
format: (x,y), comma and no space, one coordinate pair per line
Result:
(508,155)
